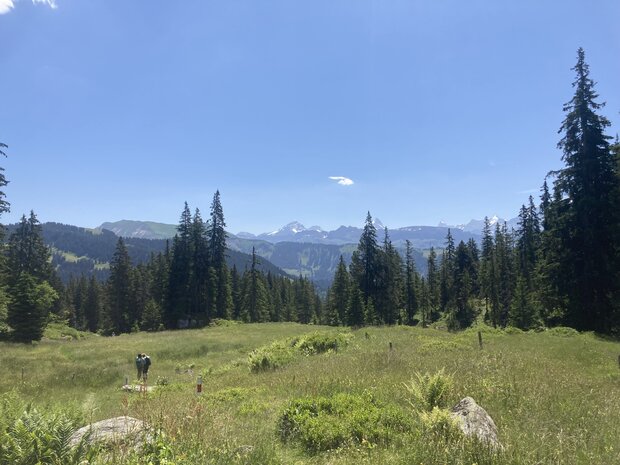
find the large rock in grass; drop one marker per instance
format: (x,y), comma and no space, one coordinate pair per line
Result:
(474,421)
(128,431)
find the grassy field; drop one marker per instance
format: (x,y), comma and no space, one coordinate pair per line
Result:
(555,396)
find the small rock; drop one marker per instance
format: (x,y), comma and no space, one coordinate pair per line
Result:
(137,388)
(475,421)
(128,430)
(244,450)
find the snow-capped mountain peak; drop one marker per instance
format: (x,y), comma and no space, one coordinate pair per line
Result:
(378,224)
(293,227)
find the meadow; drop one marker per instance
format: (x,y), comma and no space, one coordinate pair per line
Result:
(554,395)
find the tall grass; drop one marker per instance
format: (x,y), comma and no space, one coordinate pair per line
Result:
(554,397)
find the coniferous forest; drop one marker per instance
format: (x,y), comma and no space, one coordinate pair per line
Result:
(561,266)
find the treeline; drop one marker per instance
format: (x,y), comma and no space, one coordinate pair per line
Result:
(187,285)
(561,266)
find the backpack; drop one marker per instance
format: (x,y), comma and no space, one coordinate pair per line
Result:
(147,362)
(139,362)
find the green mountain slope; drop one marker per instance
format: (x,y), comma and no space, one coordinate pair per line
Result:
(77,251)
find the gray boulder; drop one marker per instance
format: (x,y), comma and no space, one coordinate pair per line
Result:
(126,430)
(474,421)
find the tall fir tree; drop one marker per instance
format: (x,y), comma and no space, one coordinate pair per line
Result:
(338,297)
(31,300)
(255,301)
(4,204)
(388,297)
(365,261)
(589,188)
(411,288)
(355,308)
(30,296)
(432,282)
(200,292)
(446,275)
(178,301)
(27,252)
(217,246)
(118,308)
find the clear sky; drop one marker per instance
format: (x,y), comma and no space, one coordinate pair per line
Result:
(435,109)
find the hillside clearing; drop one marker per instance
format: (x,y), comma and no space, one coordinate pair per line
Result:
(555,396)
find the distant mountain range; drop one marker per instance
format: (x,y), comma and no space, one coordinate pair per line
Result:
(313,252)
(292,249)
(421,237)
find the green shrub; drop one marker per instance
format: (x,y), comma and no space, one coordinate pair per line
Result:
(279,353)
(325,423)
(223,322)
(429,391)
(233,394)
(440,424)
(513,330)
(270,357)
(62,330)
(318,343)
(563,331)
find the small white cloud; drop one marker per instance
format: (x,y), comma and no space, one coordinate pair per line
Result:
(6,6)
(50,3)
(342,180)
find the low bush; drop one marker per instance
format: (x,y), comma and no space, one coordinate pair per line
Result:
(513,330)
(279,353)
(440,424)
(563,331)
(318,343)
(325,423)
(270,357)
(429,391)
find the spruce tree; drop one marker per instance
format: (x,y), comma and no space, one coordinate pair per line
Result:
(446,275)
(589,187)
(30,294)
(201,290)
(27,252)
(355,309)
(236,294)
(432,281)
(304,299)
(339,295)
(217,247)
(31,300)
(551,283)
(151,317)
(462,314)
(389,280)
(411,292)
(178,301)
(365,261)
(486,266)
(118,315)
(255,302)
(4,205)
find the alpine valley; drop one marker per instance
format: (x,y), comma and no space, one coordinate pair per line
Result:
(292,249)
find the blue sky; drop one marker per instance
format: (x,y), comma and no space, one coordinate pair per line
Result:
(436,110)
